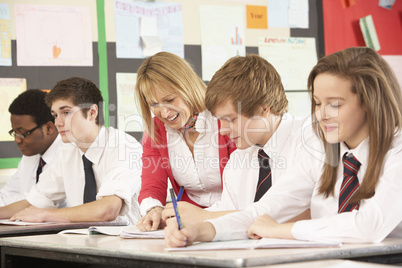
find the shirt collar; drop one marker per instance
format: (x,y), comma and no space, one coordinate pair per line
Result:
(50,153)
(361,152)
(96,149)
(277,141)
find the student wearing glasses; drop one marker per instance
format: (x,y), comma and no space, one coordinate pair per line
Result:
(37,138)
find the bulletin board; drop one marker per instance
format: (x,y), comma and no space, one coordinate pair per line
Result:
(106,64)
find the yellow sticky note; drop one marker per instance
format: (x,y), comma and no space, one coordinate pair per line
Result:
(257,17)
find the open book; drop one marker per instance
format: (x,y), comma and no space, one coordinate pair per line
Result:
(253,244)
(122,231)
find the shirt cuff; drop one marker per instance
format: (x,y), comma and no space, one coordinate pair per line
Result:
(149,203)
(223,232)
(38,200)
(302,230)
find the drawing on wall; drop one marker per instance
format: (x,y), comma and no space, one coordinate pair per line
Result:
(128,18)
(300,52)
(128,117)
(53,35)
(10,88)
(216,47)
(5,35)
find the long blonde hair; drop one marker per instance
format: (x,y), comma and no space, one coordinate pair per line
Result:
(171,74)
(379,93)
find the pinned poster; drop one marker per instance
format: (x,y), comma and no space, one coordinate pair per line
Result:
(300,52)
(128,118)
(222,37)
(348,3)
(369,32)
(5,35)
(257,17)
(53,35)
(10,88)
(386,3)
(298,14)
(278,12)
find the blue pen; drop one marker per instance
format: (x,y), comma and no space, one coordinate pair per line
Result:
(180,193)
(176,210)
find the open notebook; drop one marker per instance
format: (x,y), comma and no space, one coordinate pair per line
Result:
(122,231)
(253,244)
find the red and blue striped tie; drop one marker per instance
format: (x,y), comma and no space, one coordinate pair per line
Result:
(41,164)
(350,184)
(264,180)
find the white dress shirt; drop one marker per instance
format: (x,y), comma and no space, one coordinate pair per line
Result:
(116,158)
(378,217)
(18,186)
(200,175)
(241,173)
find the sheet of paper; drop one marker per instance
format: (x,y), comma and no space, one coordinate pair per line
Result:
(298,14)
(133,232)
(129,118)
(369,33)
(257,17)
(106,230)
(10,88)
(222,36)
(292,57)
(252,244)
(5,35)
(278,12)
(53,35)
(386,3)
(128,15)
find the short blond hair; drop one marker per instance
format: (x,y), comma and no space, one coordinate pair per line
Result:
(251,82)
(171,74)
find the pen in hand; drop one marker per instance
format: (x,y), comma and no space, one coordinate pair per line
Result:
(176,209)
(180,193)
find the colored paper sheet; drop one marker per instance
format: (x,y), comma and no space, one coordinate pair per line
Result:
(298,14)
(53,35)
(348,3)
(222,36)
(386,3)
(128,118)
(257,17)
(5,35)
(369,33)
(292,57)
(278,12)
(128,17)
(10,88)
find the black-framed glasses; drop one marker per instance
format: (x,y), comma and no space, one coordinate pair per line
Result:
(23,135)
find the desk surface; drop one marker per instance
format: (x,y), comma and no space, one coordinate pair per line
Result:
(153,250)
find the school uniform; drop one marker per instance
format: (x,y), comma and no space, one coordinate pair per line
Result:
(241,174)
(116,158)
(200,176)
(18,186)
(377,217)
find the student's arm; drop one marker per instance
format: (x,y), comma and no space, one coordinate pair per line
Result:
(8,211)
(203,231)
(191,214)
(266,226)
(105,209)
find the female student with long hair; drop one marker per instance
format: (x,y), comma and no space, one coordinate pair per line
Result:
(355,193)
(182,142)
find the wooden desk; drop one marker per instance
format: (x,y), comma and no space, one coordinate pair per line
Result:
(73,250)
(51,228)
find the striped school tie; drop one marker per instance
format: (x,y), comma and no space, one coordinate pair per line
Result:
(350,184)
(264,179)
(41,164)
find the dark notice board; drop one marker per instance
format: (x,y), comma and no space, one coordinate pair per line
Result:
(46,77)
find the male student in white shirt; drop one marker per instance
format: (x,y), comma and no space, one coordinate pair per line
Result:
(37,138)
(107,190)
(248,98)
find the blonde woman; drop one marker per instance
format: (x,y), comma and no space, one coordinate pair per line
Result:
(181,143)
